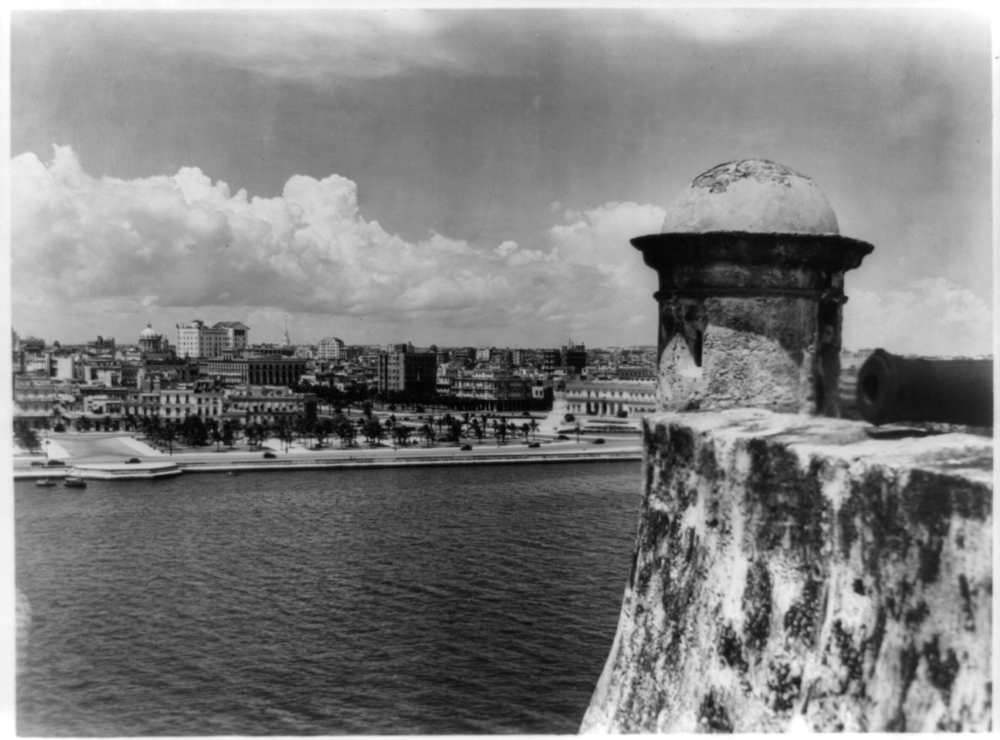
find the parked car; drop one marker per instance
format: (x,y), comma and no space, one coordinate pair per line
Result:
(465,448)
(37,464)
(534,444)
(132,460)
(60,463)
(599,441)
(269,455)
(563,437)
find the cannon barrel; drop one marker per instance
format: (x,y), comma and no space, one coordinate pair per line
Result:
(892,388)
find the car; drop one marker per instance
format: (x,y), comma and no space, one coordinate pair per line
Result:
(534,444)
(599,441)
(132,460)
(56,463)
(37,464)
(562,437)
(465,448)
(525,413)
(270,455)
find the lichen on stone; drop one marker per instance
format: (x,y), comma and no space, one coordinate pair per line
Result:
(717,179)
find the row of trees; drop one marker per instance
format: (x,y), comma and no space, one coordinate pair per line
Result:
(307,428)
(27,438)
(398,400)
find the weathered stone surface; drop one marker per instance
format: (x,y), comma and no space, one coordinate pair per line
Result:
(791,572)
(752,352)
(751,283)
(752,195)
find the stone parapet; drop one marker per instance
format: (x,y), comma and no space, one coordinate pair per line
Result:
(792,572)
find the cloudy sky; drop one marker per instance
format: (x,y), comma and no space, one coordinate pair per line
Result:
(473,176)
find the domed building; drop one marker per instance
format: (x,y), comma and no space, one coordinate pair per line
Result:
(150,341)
(751,266)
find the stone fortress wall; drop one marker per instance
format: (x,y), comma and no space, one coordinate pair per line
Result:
(792,570)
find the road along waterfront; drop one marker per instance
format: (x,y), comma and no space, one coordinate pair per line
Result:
(97,450)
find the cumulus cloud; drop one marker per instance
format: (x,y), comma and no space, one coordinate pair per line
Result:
(933,317)
(600,237)
(83,244)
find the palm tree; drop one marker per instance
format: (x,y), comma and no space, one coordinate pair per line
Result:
(26,436)
(344,429)
(500,431)
(323,430)
(230,430)
(428,432)
(401,433)
(286,433)
(168,433)
(215,433)
(534,429)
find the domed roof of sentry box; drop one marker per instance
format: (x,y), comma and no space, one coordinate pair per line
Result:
(751,195)
(148,333)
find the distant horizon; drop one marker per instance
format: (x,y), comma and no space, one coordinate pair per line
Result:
(475,176)
(278,343)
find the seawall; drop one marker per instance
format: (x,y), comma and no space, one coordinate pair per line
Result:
(215,465)
(795,573)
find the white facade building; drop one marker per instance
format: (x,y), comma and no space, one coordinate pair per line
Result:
(329,348)
(197,340)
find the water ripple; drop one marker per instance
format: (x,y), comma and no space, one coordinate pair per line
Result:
(417,601)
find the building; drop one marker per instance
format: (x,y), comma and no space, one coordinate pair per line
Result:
(177,403)
(632,372)
(493,390)
(269,350)
(152,342)
(254,370)
(329,348)
(610,398)
(101,347)
(35,400)
(548,359)
(267,405)
(574,357)
(197,340)
(413,372)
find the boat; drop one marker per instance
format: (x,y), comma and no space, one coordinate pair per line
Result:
(72,482)
(45,483)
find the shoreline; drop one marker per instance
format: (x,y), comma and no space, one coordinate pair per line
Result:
(212,464)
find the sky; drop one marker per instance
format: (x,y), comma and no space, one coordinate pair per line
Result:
(473,177)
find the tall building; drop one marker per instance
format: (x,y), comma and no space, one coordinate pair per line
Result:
(415,372)
(197,340)
(575,357)
(329,348)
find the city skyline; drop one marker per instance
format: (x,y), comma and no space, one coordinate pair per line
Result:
(472,178)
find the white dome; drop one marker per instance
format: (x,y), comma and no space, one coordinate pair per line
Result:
(751,195)
(148,333)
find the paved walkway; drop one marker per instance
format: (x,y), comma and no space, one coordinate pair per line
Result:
(140,448)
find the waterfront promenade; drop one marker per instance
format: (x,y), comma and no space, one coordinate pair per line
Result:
(115,447)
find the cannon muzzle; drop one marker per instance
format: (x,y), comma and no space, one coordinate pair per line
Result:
(891,389)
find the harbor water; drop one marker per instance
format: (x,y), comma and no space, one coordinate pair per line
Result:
(394,601)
